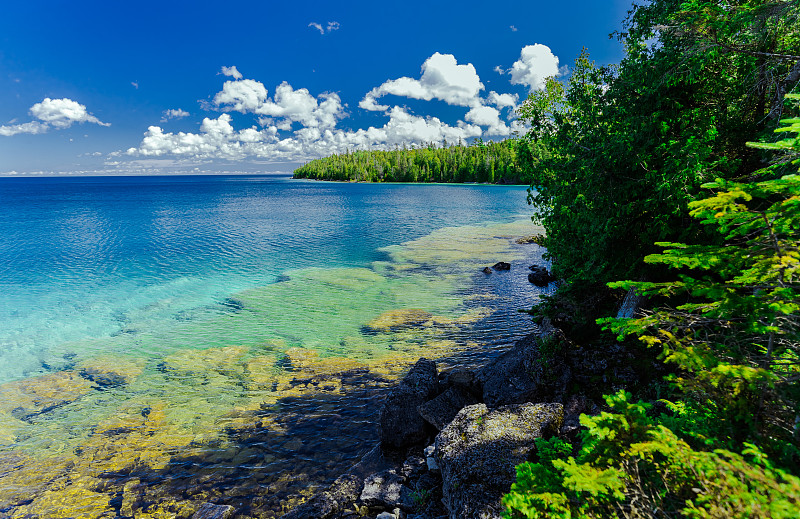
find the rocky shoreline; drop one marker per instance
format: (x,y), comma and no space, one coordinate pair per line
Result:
(450,441)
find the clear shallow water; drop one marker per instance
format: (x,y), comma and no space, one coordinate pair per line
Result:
(223,329)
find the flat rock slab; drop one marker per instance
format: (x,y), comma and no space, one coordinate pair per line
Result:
(479,450)
(212,511)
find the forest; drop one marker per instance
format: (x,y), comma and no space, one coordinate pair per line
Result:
(671,180)
(492,162)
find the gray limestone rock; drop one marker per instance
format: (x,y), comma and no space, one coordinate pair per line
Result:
(401,423)
(442,409)
(386,489)
(479,450)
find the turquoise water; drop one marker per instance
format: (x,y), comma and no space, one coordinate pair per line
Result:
(235,330)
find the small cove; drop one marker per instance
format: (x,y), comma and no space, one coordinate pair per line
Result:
(237,352)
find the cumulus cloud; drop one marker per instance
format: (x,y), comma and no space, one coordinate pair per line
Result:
(231,72)
(286,107)
(218,139)
(53,113)
(33,127)
(295,125)
(317,26)
(174,113)
(535,64)
(442,78)
(333,26)
(502,100)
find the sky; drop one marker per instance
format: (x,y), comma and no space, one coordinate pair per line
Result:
(161,87)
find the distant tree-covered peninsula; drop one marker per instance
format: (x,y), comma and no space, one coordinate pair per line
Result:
(492,162)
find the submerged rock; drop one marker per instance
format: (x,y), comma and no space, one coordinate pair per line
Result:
(26,398)
(502,265)
(479,450)
(401,423)
(344,491)
(395,320)
(540,276)
(111,371)
(486,270)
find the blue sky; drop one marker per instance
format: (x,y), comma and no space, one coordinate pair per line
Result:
(195,86)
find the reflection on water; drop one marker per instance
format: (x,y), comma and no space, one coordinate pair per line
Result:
(258,399)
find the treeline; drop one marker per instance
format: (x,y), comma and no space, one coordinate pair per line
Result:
(671,180)
(493,163)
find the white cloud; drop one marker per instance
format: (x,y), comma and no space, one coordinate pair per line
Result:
(174,113)
(288,106)
(61,113)
(231,72)
(217,139)
(53,113)
(502,100)
(488,116)
(499,69)
(513,29)
(442,78)
(244,95)
(33,127)
(536,63)
(332,26)
(135,85)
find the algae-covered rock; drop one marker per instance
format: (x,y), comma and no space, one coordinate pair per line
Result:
(479,450)
(226,361)
(308,361)
(24,399)
(111,371)
(399,319)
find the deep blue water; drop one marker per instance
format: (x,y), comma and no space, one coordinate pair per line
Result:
(83,258)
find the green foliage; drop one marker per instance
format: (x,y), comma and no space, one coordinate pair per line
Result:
(493,163)
(630,146)
(736,334)
(650,160)
(631,465)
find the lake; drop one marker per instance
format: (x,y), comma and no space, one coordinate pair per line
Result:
(168,341)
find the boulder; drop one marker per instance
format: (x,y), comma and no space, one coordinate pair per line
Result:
(401,423)
(502,265)
(340,495)
(486,270)
(479,450)
(540,276)
(442,409)
(513,377)
(386,490)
